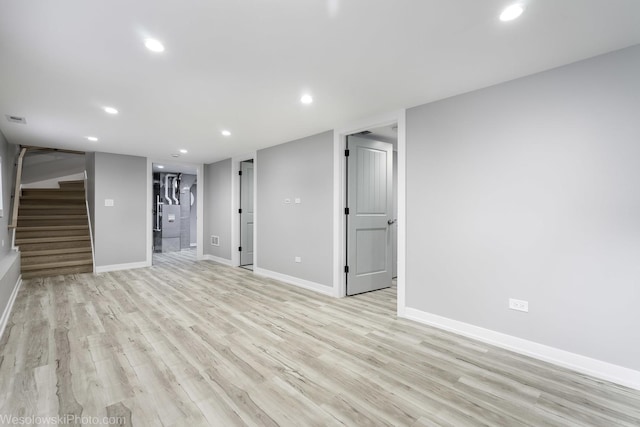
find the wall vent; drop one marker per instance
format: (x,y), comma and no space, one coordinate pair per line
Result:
(215,240)
(16,119)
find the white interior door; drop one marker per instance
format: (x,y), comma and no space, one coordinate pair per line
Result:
(370,216)
(246,213)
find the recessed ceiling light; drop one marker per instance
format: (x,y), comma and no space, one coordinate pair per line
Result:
(183,151)
(92,138)
(110,110)
(306,99)
(154,45)
(160,167)
(512,12)
(226,133)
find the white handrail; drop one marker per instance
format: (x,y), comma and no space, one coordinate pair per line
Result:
(17,192)
(86,202)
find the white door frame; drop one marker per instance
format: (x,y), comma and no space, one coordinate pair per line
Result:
(235,205)
(339,184)
(199,209)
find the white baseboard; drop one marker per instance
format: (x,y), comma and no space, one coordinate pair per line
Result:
(217,259)
(117,267)
(7,310)
(301,283)
(586,365)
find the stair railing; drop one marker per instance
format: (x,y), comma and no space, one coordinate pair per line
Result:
(86,201)
(17,192)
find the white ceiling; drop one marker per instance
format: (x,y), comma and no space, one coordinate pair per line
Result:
(243,65)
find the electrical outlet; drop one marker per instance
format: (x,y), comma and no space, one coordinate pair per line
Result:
(298,259)
(519,305)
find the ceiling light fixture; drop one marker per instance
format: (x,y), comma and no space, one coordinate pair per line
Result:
(160,167)
(512,12)
(183,151)
(226,133)
(110,110)
(154,45)
(92,138)
(306,99)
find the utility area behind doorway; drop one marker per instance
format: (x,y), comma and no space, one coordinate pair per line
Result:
(371,210)
(174,208)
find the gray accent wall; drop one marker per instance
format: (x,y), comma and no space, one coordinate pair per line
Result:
(120,230)
(217,208)
(9,259)
(531,190)
(298,169)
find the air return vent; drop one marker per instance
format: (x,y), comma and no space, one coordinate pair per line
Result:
(215,240)
(16,119)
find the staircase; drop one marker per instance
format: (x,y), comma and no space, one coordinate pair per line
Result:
(53,231)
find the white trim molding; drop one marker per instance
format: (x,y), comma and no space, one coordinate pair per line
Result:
(118,267)
(586,365)
(217,259)
(4,320)
(295,281)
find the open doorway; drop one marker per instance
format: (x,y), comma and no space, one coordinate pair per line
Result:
(371,210)
(174,210)
(246,212)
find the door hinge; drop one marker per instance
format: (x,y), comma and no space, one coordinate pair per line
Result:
(346,268)
(239,211)
(239,248)
(346,211)
(346,153)
(239,172)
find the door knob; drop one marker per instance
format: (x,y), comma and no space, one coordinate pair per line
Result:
(391,221)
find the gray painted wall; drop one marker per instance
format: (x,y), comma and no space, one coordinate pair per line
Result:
(45,165)
(531,190)
(9,154)
(121,230)
(217,208)
(298,169)
(9,259)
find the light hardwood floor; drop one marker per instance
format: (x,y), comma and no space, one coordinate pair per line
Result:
(188,343)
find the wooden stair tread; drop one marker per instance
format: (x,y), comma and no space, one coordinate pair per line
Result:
(70,216)
(30,253)
(51,206)
(51,190)
(50,239)
(56,265)
(74,269)
(52,227)
(52,197)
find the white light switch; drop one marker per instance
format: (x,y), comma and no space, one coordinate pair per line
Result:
(298,201)
(108,202)
(298,259)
